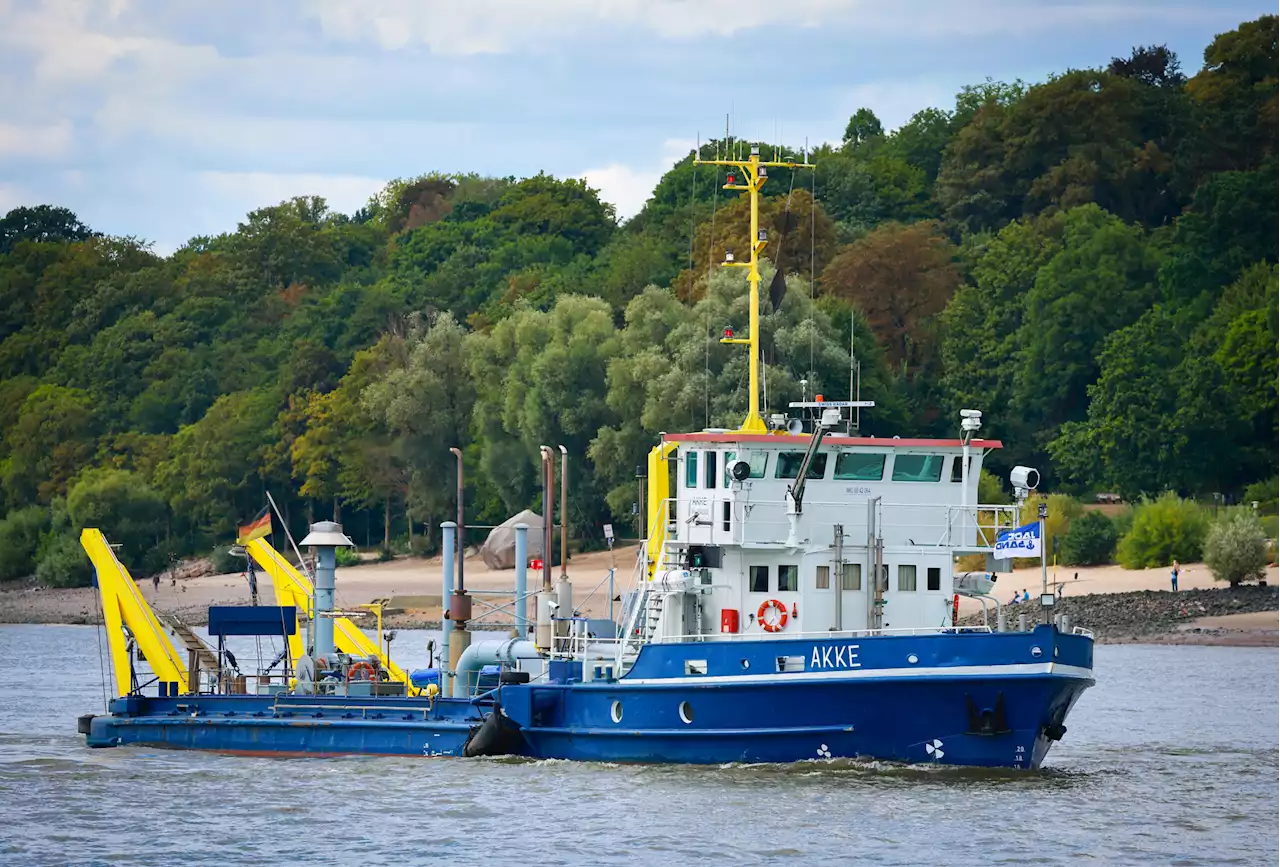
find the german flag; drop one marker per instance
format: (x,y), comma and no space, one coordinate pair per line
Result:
(257,528)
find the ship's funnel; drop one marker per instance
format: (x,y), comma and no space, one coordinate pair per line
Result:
(325,538)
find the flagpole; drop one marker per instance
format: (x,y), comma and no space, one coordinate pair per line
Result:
(302,563)
(1043,511)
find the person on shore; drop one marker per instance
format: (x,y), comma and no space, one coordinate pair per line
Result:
(155,582)
(1026,595)
(1060,586)
(1173,575)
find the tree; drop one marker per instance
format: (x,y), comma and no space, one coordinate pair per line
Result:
(124,506)
(1153,65)
(426,408)
(54,437)
(1236,96)
(1235,548)
(901,277)
(1102,279)
(43,223)
(863,127)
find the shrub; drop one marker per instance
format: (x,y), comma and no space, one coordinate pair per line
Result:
(224,561)
(1265,493)
(1163,530)
(347,557)
(1270,526)
(990,489)
(63,563)
(20,534)
(1090,540)
(1235,548)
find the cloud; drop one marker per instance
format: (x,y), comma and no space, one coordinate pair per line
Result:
(627,188)
(250,190)
(34,141)
(510,26)
(11,196)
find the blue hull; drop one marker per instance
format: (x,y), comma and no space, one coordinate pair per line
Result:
(970,699)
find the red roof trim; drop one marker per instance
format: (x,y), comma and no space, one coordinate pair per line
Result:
(833,439)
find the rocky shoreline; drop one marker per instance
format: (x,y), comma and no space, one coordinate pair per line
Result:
(1154,616)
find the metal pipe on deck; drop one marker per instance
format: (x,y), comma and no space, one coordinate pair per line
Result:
(522,568)
(325,538)
(459,601)
(448,545)
(543,633)
(564,512)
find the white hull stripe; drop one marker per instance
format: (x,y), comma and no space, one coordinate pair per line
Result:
(943,672)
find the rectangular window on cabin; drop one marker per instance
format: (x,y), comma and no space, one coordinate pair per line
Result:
(756,460)
(935,578)
(759,579)
(906,577)
(852,579)
(822,580)
(788,578)
(726,515)
(957,469)
(788,465)
(917,468)
(712,462)
(884,577)
(859,467)
(691,470)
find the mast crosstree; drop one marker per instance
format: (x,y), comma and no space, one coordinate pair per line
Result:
(754,175)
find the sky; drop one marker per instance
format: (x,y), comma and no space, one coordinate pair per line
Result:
(167,120)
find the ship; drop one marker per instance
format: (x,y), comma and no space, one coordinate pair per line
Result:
(795,598)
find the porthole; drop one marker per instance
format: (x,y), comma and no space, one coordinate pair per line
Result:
(912,658)
(1035,651)
(686,713)
(616,711)
(746,663)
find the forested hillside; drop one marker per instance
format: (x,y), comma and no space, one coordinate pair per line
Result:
(1090,260)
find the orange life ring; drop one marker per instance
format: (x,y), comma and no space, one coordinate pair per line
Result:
(782,616)
(362,666)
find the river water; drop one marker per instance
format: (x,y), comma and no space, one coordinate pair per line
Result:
(1171,760)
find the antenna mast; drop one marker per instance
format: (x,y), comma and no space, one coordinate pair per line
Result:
(754,175)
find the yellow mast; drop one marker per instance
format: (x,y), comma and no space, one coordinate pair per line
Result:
(754,177)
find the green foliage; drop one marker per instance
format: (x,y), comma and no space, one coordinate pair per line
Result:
(991,490)
(347,557)
(1063,511)
(1265,493)
(63,562)
(43,223)
(1235,548)
(1090,540)
(1163,530)
(224,562)
(121,502)
(20,533)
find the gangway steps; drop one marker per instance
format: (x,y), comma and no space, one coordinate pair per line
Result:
(205,657)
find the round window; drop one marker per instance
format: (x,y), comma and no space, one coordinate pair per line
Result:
(746,663)
(616,711)
(686,712)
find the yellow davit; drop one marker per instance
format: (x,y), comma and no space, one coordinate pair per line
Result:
(123,605)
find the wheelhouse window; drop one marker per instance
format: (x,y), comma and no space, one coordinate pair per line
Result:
(917,468)
(907,577)
(822,579)
(957,468)
(712,461)
(756,460)
(852,578)
(788,465)
(691,470)
(759,579)
(935,578)
(788,578)
(859,467)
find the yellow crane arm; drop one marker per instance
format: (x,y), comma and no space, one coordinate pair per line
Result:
(123,605)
